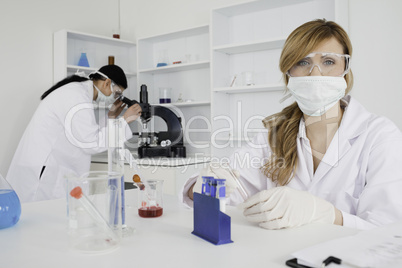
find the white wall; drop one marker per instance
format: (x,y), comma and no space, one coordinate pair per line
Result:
(26,63)
(375,28)
(26,55)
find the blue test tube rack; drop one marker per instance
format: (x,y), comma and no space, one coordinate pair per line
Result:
(210,223)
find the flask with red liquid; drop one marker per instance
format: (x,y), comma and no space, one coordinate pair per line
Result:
(150,199)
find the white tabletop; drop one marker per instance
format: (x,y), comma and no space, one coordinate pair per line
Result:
(40,240)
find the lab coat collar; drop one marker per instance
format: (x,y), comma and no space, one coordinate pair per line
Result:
(358,113)
(89,86)
(354,112)
(348,129)
(344,137)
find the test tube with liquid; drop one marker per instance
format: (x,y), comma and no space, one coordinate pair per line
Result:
(206,185)
(221,193)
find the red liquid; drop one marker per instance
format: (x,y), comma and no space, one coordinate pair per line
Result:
(148,212)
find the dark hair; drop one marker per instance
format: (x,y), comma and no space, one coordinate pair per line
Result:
(114,72)
(65,81)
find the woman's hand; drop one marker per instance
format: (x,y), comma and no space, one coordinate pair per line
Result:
(132,113)
(116,109)
(284,207)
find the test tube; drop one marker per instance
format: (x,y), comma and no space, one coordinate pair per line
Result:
(204,185)
(212,187)
(207,183)
(221,193)
(240,187)
(93,212)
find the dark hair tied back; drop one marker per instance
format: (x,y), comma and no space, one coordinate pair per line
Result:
(114,72)
(69,79)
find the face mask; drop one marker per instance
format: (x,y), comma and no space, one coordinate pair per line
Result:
(315,95)
(102,98)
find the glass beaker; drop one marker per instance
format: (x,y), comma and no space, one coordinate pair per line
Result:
(10,206)
(248,78)
(165,95)
(94,211)
(163,59)
(116,33)
(150,199)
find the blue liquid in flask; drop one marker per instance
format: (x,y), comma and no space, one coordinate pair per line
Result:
(83,60)
(10,208)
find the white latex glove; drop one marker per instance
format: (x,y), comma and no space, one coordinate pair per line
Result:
(218,172)
(284,207)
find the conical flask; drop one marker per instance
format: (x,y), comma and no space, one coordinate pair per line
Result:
(10,206)
(83,60)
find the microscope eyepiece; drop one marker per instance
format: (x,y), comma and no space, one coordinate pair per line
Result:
(144,94)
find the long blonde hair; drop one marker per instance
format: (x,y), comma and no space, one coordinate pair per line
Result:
(284,126)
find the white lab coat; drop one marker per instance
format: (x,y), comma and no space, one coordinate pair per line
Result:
(359,174)
(61,136)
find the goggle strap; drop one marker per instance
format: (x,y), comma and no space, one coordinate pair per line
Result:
(102,74)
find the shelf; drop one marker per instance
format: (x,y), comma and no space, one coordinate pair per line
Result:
(73,68)
(204,29)
(68,46)
(250,89)
(185,104)
(98,38)
(177,68)
(250,47)
(245,8)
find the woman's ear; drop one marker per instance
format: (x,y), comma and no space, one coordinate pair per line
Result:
(106,83)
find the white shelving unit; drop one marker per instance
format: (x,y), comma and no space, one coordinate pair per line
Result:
(187,104)
(249,37)
(189,79)
(74,68)
(68,46)
(250,89)
(177,68)
(250,46)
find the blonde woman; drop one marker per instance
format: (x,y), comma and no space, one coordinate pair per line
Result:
(325,157)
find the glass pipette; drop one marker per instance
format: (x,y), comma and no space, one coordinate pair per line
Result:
(93,212)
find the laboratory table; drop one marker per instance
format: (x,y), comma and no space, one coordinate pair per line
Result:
(40,239)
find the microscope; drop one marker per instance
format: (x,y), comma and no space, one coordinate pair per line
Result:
(158,144)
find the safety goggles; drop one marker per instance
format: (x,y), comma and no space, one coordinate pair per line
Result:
(329,64)
(116,90)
